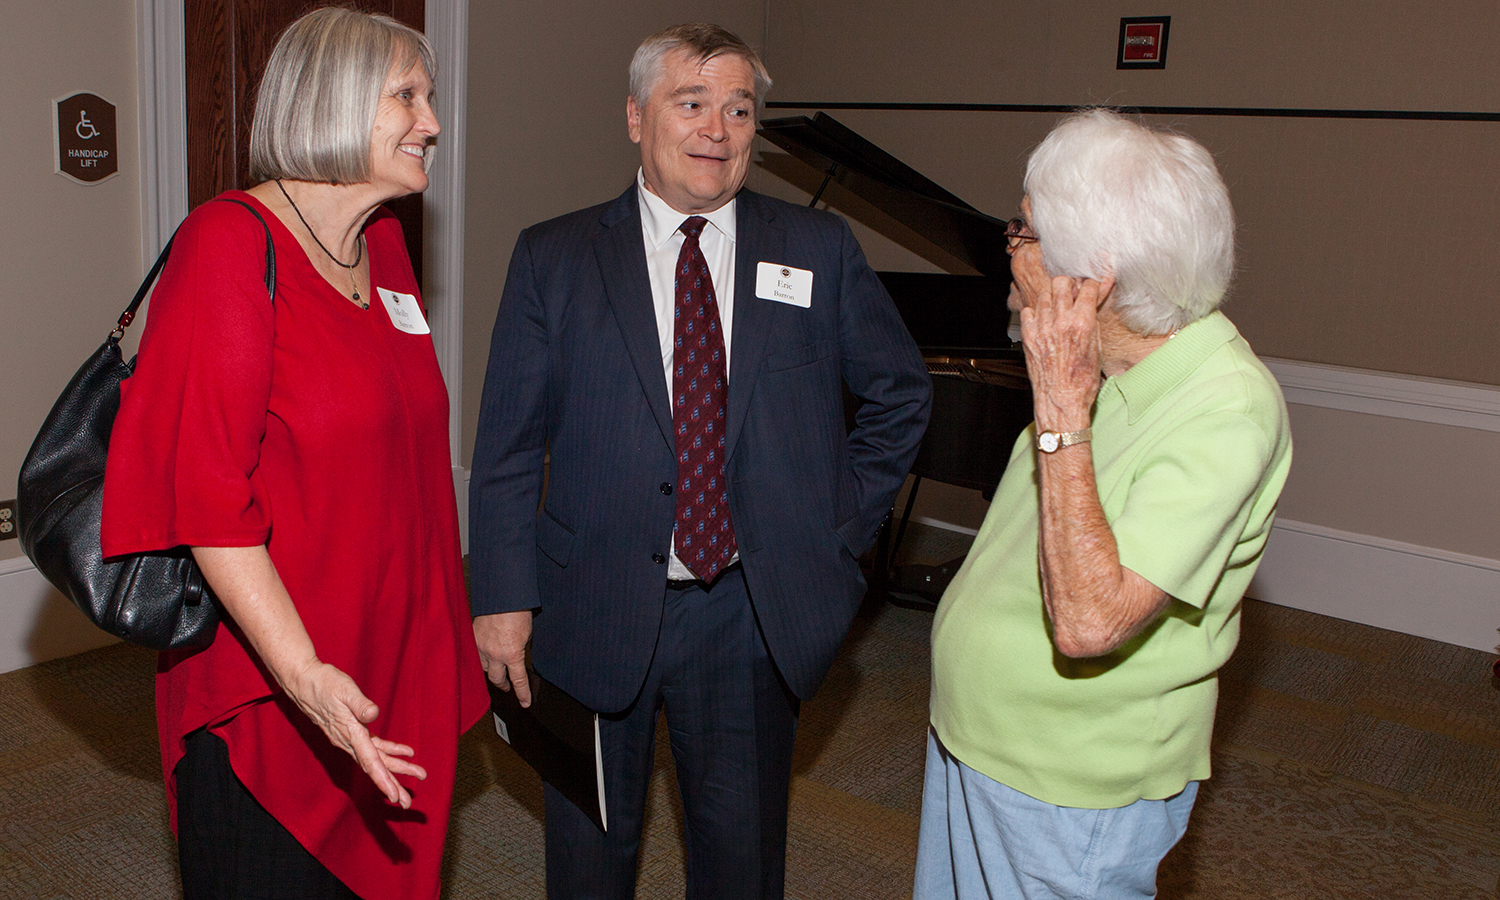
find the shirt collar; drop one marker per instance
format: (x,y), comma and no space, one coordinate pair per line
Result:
(660,221)
(1164,368)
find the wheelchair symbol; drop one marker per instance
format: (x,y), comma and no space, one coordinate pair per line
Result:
(85,128)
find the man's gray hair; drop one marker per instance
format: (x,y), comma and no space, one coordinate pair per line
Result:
(1111,196)
(701,42)
(315,109)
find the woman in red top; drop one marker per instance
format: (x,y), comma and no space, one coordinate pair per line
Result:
(300,447)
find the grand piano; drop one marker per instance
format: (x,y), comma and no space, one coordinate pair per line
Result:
(981,396)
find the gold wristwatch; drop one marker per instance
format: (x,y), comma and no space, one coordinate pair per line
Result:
(1052,441)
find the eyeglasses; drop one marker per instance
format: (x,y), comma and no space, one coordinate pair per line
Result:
(1017,232)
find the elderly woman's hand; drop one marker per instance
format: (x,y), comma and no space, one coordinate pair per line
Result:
(1060,331)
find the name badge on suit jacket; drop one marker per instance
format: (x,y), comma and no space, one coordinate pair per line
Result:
(784,284)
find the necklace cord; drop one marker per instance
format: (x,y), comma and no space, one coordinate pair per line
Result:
(349,267)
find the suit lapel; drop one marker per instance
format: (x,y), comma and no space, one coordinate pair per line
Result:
(621,252)
(759,238)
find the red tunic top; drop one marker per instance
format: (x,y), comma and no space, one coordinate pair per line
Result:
(320,430)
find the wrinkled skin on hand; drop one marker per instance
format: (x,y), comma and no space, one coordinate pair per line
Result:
(1060,332)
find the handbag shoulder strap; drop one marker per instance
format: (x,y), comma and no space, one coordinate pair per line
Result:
(270,247)
(128,315)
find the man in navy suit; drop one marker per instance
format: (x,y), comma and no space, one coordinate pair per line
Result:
(666,501)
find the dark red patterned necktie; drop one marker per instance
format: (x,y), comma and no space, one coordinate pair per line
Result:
(703,537)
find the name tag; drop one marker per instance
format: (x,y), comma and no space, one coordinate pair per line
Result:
(405,312)
(784,284)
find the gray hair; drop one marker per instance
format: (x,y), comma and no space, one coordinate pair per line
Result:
(315,109)
(699,41)
(1110,196)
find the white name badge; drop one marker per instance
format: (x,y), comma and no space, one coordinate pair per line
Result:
(406,313)
(784,284)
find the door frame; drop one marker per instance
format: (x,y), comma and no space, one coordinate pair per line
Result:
(162,103)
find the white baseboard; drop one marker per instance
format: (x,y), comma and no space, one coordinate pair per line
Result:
(946,526)
(36,622)
(1402,587)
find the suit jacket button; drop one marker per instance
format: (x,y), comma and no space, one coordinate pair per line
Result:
(666,488)
(658,558)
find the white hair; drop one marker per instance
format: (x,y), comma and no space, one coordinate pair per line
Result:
(315,109)
(1112,197)
(699,41)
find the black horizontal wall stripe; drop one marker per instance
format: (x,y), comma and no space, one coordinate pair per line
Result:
(1246,111)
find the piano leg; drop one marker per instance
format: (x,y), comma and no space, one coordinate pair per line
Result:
(911,499)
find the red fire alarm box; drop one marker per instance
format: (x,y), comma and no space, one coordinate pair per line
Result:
(1143,42)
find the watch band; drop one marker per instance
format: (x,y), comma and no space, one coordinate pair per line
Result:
(1053,441)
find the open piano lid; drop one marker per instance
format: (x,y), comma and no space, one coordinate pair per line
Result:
(895,188)
(949,316)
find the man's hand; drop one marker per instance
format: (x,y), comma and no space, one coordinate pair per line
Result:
(502,640)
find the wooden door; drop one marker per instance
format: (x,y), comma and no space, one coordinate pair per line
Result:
(228,43)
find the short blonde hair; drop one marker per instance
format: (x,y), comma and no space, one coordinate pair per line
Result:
(315,109)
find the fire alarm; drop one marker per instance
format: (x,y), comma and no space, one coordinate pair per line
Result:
(1143,42)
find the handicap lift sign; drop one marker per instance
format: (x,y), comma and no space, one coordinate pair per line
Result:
(84,134)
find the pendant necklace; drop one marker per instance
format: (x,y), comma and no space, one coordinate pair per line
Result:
(348,267)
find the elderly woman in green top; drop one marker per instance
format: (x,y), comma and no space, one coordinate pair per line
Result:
(1075,654)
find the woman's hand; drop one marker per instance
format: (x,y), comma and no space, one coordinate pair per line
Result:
(1060,332)
(335,704)
(246,583)
(1095,604)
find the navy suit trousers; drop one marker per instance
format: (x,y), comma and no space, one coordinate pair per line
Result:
(731,722)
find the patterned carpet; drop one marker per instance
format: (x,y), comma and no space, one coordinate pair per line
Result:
(1350,763)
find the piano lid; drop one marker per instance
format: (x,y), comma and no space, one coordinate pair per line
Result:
(893,187)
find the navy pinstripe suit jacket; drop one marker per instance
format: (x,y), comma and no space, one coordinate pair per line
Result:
(575,372)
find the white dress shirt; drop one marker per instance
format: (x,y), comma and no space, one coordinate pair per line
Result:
(660,226)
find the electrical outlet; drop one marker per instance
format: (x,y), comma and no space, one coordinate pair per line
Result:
(7,520)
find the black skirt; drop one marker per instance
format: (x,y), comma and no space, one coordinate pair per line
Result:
(228,846)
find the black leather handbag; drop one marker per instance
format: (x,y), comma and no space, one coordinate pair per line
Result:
(157,600)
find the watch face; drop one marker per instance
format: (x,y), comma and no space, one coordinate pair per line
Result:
(1047,441)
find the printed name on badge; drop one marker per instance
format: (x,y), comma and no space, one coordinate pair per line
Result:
(406,313)
(784,284)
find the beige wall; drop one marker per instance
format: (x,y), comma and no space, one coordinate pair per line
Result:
(1417,482)
(1381,54)
(1363,243)
(72,252)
